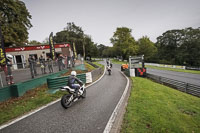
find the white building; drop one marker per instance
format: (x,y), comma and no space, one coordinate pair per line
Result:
(21,54)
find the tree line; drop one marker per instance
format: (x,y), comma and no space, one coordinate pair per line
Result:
(178,46)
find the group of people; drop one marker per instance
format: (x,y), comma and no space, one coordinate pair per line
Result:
(61,60)
(33,63)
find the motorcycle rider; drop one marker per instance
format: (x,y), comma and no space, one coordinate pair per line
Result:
(109,63)
(109,68)
(71,82)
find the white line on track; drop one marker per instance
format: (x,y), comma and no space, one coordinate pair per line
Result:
(116,110)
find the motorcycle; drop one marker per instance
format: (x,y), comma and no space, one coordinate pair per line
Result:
(109,70)
(68,99)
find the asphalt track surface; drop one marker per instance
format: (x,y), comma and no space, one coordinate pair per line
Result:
(89,115)
(180,76)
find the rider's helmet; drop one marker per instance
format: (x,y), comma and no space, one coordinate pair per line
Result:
(73,73)
(9,56)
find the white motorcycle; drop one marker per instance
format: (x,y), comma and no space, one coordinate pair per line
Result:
(68,99)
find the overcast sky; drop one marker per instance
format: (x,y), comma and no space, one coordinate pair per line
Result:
(100,18)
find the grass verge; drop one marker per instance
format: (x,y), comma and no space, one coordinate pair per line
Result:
(97,63)
(153,108)
(89,67)
(118,62)
(32,99)
(174,69)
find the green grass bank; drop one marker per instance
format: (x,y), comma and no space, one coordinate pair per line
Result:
(155,108)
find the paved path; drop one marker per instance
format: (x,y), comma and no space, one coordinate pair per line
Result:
(89,115)
(181,76)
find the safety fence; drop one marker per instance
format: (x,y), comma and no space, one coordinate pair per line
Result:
(179,85)
(19,89)
(164,65)
(92,64)
(57,82)
(97,73)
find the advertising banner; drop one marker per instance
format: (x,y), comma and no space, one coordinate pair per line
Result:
(52,48)
(74,47)
(2,50)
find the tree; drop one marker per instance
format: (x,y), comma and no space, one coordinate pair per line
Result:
(75,36)
(15,22)
(101,48)
(94,50)
(180,47)
(90,47)
(123,43)
(146,48)
(34,42)
(190,49)
(71,34)
(108,52)
(168,44)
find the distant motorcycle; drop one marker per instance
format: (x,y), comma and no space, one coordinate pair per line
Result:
(109,70)
(68,99)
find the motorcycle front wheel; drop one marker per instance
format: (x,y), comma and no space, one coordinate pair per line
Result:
(65,101)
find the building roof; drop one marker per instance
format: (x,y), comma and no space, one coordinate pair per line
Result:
(38,47)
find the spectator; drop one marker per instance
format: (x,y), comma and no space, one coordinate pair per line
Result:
(9,77)
(31,65)
(50,64)
(60,62)
(42,64)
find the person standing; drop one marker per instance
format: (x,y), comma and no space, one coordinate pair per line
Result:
(30,60)
(9,77)
(66,64)
(60,62)
(73,61)
(34,65)
(42,64)
(50,64)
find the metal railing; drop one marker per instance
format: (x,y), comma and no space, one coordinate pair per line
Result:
(179,85)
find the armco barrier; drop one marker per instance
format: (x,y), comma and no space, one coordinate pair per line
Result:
(56,83)
(127,72)
(179,85)
(164,65)
(94,65)
(96,73)
(5,93)
(19,89)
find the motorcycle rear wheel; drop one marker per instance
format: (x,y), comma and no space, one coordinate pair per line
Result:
(84,94)
(65,101)
(109,72)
